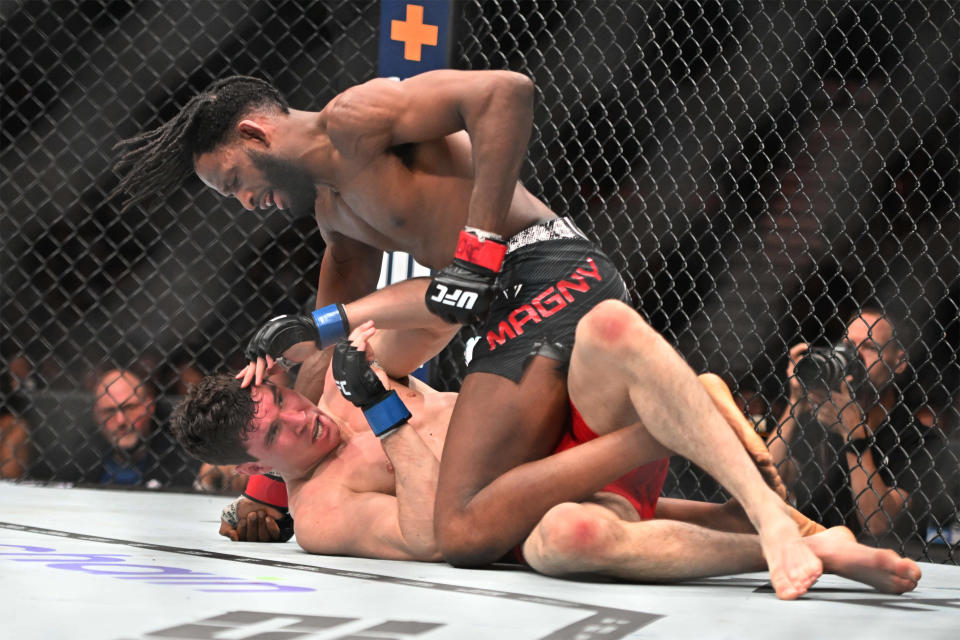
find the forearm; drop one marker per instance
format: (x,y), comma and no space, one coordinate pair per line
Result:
(407,333)
(399,306)
(877,504)
(417,470)
(349,270)
(311,375)
(499,127)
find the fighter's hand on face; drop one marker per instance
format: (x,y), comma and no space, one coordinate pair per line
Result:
(292,337)
(463,291)
(256,371)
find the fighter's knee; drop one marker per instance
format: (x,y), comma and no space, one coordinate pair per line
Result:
(613,326)
(571,538)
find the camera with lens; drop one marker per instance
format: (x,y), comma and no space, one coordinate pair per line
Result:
(827,367)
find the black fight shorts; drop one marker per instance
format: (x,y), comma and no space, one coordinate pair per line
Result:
(552,276)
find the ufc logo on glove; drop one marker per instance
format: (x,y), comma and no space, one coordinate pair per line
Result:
(456,298)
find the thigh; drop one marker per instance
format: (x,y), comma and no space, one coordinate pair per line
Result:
(498,425)
(602,398)
(597,382)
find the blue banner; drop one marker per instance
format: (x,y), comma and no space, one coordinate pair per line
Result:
(414,37)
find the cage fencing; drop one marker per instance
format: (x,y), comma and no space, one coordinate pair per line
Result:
(761,173)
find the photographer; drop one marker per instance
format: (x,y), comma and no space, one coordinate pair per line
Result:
(847,447)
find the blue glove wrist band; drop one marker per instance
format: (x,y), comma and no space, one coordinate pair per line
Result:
(331,324)
(387,415)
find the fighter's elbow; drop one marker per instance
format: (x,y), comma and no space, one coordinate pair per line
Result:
(503,88)
(521,87)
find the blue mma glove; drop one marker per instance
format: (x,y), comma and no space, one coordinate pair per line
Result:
(323,328)
(358,383)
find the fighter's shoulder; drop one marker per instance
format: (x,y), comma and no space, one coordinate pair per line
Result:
(324,488)
(360,118)
(316,518)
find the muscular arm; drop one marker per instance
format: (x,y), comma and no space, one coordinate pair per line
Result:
(349,270)
(407,333)
(495,108)
(378,525)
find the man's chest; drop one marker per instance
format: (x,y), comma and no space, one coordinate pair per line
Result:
(391,205)
(362,466)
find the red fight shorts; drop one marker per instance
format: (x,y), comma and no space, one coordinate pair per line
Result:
(641,487)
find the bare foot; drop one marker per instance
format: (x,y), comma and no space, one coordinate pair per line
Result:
(882,569)
(793,565)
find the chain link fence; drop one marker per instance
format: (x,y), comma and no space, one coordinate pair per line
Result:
(761,172)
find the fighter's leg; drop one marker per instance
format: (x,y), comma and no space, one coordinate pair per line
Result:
(755,447)
(644,376)
(594,538)
(882,569)
(494,487)
(585,538)
(496,426)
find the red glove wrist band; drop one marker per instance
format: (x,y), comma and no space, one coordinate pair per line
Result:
(267,491)
(487,253)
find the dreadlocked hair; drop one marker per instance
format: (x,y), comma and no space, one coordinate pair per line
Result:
(212,422)
(157,161)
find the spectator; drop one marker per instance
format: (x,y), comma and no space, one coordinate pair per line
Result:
(138,452)
(14,430)
(851,451)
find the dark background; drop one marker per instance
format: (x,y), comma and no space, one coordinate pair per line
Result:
(758,170)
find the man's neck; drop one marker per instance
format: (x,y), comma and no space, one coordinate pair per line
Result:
(314,151)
